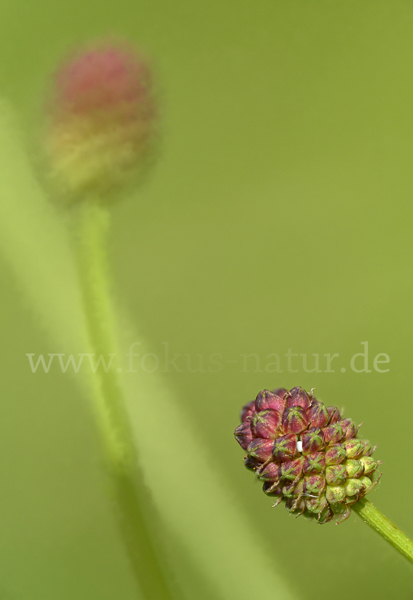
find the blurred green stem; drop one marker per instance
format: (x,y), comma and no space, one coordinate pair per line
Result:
(126,476)
(373,517)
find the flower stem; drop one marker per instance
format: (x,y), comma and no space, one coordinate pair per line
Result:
(128,489)
(373,517)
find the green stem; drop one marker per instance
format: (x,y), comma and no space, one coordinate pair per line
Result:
(373,517)
(128,488)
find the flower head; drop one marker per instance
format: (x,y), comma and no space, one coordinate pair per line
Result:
(101,119)
(306,454)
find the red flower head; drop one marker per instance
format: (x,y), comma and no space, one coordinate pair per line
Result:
(306,454)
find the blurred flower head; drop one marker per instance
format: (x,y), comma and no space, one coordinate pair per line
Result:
(101,119)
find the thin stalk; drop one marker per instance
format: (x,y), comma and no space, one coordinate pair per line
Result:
(373,517)
(128,489)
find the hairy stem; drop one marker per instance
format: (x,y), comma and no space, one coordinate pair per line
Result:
(373,517)
(128,488)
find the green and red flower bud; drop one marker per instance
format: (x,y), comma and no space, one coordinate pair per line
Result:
(336,494)
(333,434)
(354,448)
(349,429)
(295,505)
(288,489)
(314,485)
(336,474)
(294,420)
(265,424)
(325,515)
(366,482)
(369,464)
(312,440)
(243,434)
(298,397)
(368,448)
(317,504)
(285,447)
(270,472)
(335,455)
(260,449)
(333,415)
(355,468)
(354,487)
(318,415)
(314,463)
(267,399)
(292,469)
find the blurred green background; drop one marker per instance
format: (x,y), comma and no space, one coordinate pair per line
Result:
(278,216)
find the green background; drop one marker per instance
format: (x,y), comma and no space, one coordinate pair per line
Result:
(278,216)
